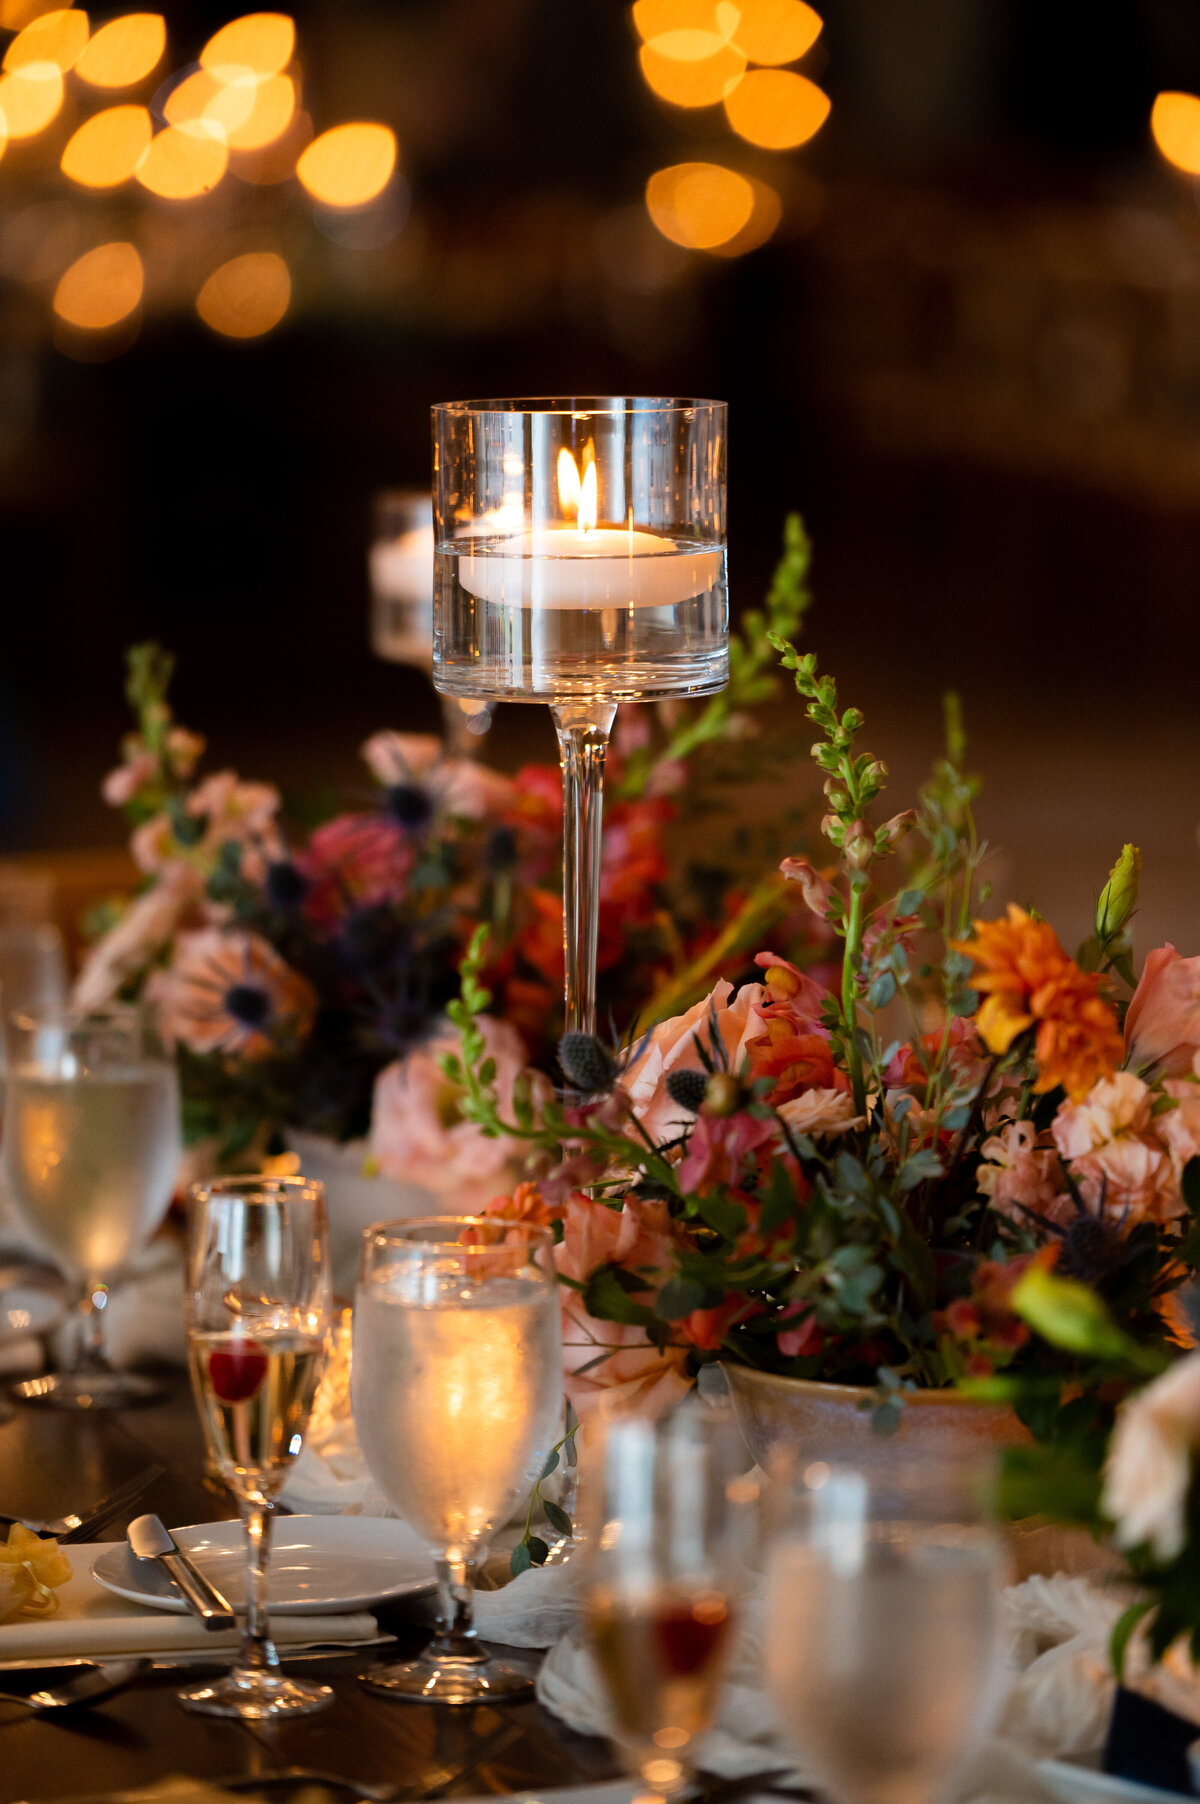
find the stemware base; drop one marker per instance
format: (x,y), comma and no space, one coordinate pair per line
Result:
(256,1696)
(431,1679)
(89,1390)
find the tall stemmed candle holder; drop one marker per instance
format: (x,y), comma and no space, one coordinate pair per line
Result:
(580,561)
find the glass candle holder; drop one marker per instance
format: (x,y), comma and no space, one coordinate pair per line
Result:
(580,560)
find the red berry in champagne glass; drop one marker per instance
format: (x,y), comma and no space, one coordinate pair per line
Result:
(236,1371)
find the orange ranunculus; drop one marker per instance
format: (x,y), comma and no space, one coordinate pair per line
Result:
(1027,981)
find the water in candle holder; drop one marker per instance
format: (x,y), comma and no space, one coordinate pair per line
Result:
(524,626)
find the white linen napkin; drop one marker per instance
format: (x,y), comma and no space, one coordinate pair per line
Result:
(91,1621)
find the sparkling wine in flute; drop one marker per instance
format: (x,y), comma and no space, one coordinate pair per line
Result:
(661,1655)
(882,1668)
(91,1160)
(255,1394)
(545,628)
(457,1398)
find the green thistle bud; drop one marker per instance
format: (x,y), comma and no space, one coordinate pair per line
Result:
(1118,898)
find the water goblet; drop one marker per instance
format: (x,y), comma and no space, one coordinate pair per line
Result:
(91,1153)
(456,1380)
(580,561)
(665,1515)
(883,1633)
(259,1307)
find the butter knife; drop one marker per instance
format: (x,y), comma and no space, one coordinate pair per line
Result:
(151,1541)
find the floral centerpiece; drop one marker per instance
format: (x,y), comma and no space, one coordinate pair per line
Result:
(301,972)
(890,1180)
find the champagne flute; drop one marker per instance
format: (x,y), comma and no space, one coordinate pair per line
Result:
(663,1517)
(259,1308)
(456,1380)
(91,1152)
(580,561)
(883,1636)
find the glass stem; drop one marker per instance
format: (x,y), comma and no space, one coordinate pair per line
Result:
(89,1338)
(454,1638)
(257,1655)
(583,728)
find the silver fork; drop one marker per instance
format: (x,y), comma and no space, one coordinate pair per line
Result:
(82,1528)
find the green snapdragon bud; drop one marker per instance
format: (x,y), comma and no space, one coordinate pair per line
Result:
(1118,898)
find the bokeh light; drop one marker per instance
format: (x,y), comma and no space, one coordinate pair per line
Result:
(57,39)
(776,108)
(247,296)
(696,70)
(767,212)
(1175,123)
(108,147)
(101,288)
(655,18)
(699,205)
(124,51)
(30,99)
(773,31)
(272,103)
(349,165)
(16,13)
(260,42)
(184,161)
(204,96)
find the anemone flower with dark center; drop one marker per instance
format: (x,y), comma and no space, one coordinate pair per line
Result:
(410,805)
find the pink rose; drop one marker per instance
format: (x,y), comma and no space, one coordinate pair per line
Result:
(821,1111)
(672,1046)
(1178,1128)
(1116,1105)
(1113,1153)
(354,861)
(1162,1027)
(418,1134)
(624,1368)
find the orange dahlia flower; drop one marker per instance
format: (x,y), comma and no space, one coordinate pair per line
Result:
(1027,981)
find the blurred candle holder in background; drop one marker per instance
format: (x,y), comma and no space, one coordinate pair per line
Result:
(401,570)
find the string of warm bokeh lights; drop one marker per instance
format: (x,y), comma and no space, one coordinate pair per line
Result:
(731,54)
(237,110)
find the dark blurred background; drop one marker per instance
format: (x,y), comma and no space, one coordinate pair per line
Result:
(968,351)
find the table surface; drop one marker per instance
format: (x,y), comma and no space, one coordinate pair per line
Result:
(51,1463)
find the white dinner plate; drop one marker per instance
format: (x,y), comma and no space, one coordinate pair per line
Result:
(319,1565)
(1080,1784)
(27,1309)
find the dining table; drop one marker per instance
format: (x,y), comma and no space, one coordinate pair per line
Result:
(53,1462)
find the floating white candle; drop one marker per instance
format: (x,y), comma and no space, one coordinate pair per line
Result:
(587,566)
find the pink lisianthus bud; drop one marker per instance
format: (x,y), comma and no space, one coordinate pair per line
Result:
(1162,1027)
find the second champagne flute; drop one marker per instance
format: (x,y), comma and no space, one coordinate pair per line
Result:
(258,1318)
(663,1509)
(457,1386)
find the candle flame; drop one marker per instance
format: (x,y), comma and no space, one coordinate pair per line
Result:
(576,497)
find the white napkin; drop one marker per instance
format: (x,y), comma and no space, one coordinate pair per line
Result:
(91,1621)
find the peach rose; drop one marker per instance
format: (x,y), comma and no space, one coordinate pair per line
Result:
(614,1360)
(1162,1026)
(821,1112)
(672,1046)
(1178,1128)
(1149,1466)
(418,1134)
(1109,1143)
